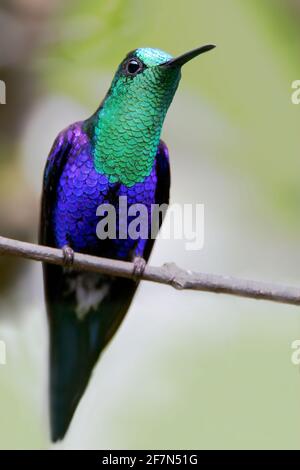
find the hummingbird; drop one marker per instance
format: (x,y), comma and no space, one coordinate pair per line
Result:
(116,152)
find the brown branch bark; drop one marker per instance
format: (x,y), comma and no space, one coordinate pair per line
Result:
(168,274)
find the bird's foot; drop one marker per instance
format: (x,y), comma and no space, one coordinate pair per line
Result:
(68,254)
(139,265)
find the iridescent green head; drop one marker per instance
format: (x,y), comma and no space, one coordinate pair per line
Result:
(129,122)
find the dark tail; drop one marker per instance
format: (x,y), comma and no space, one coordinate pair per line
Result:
(72,357)
(76,342)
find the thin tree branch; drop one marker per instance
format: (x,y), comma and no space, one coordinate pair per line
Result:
(168,274)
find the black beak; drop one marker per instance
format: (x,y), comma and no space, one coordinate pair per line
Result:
(184,58)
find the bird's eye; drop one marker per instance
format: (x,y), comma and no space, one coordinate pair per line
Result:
(133,67)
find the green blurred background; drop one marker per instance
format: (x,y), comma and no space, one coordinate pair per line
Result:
(186,369)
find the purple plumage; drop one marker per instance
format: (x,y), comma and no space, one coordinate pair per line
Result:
(81,189)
